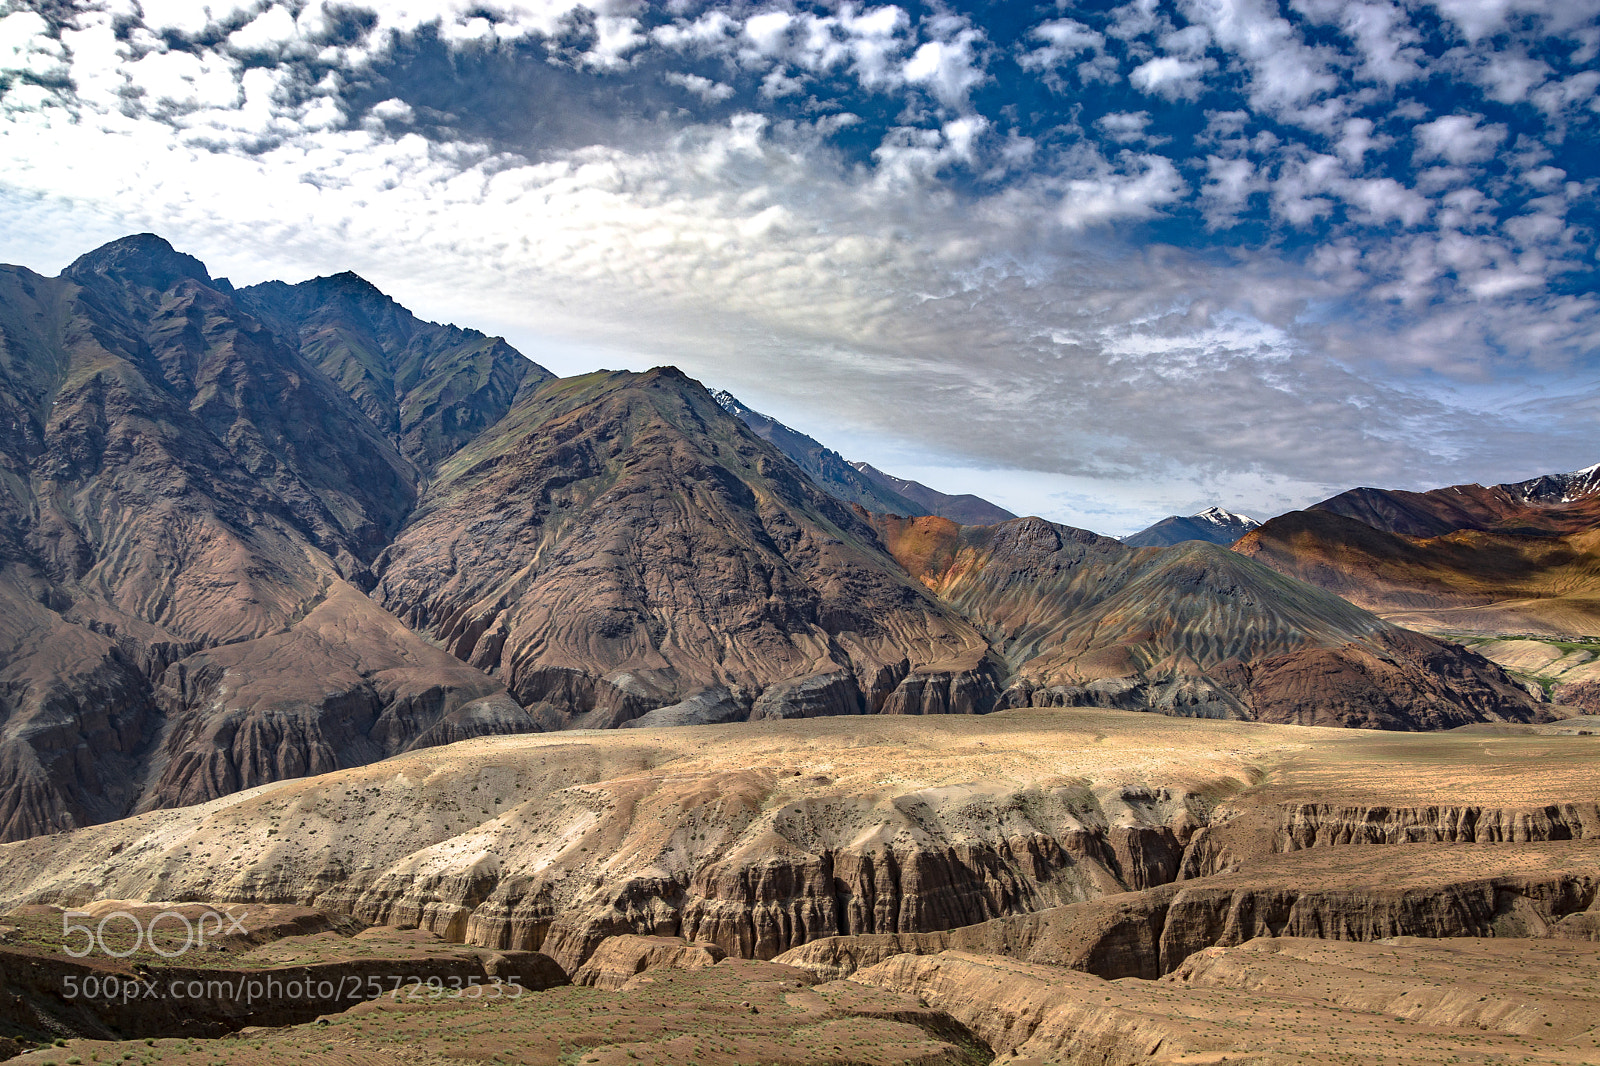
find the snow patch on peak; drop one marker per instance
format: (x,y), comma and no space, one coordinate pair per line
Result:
(1560,488)
(1220,517)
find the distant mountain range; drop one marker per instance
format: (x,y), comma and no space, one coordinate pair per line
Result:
(260,533)
(1519,558)
(863,483)
(1213,525)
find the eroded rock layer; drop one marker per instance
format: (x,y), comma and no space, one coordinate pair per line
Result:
(761,840)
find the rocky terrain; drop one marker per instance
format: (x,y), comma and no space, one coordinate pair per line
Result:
(256,534)
(1213,525)
(187,500)
(758,839)
(1070,885)
(618,543)
(1518,559)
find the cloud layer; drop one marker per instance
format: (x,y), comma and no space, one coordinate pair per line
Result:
(1109,261)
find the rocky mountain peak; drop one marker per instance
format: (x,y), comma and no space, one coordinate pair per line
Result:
(1221,517)
(143,260)
(1561,488)
(1215,525)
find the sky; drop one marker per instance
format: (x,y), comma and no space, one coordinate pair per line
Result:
(1098,262)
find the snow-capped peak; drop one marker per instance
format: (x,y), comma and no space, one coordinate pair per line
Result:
(1219,517)
(1561,488)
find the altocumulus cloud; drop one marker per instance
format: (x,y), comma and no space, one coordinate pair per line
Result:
(1097,261)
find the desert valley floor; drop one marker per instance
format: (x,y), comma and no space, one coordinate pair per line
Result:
(1036,885)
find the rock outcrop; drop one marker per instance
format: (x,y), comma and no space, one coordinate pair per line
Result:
(1347,894)
(1276,1002)
(620,959)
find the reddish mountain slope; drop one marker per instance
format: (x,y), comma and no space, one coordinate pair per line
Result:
(1194,629)
(1521,558)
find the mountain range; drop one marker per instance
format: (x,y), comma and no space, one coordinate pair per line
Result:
(260,533)
(1520,558)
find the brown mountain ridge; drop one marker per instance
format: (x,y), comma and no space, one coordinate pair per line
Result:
(255,534)
(1521,558)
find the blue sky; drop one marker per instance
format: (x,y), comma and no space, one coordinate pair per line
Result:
(1099,262)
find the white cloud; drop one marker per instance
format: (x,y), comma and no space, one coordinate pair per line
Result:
(1123,126)
(1064,39)
(1112,196)
(712,92)
(971,255)
(1227,192)
(393,110)
(1458,139)
(272,31)
(1510,77)
(1387,40)
(1556,97)
(27,48)
(1476,19)
(1356,140)
(950,68)
(707,33)
(1171,77)
(1284,71)
(1384,199)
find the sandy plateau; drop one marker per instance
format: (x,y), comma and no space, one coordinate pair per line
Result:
(1069,885)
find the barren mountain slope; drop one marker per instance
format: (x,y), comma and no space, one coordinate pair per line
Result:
(824,466)
(1193,629)
(960,507)
(619,542)
(1552,503)
(1465,581)
(194,506)
(428,388)
(180,488)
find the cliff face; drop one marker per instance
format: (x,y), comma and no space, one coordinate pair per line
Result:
(1115,848)
(1342,894)
(817,828)
(1274,1002)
